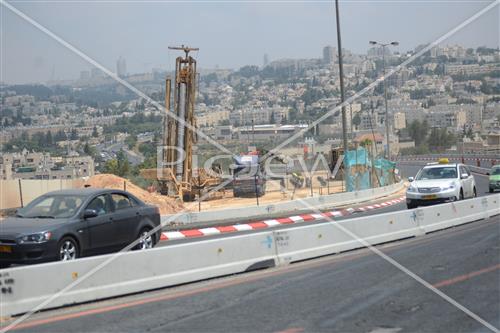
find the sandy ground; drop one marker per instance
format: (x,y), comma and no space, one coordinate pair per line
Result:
(273,195)
(167,205)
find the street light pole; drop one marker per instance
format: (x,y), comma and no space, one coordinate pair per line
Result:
(341,75)
(387,123)
(387,120)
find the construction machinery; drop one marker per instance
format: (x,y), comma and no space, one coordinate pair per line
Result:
(176,175)
(249,176)
(335,161)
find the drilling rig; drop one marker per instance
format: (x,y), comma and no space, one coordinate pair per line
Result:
(176,176)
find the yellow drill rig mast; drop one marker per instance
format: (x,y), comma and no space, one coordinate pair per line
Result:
(175,175)
(179,135)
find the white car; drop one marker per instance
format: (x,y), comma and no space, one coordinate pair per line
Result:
(440,183)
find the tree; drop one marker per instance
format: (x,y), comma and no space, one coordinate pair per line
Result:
(111,166)
(48,139)
(60,136)
(74,134)
(119,166)
(418,131)
(131,141)
(272,119)
(356,120)
(95,134)
(123,164)
(440,139)
(89,150)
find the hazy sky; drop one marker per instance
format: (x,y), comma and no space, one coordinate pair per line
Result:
(229,34)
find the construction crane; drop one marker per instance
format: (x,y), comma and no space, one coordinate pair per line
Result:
(176,176)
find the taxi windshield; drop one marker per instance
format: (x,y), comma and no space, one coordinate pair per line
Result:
(495,171)
(437,173)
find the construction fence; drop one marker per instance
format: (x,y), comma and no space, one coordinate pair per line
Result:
(364,171)
(17,193)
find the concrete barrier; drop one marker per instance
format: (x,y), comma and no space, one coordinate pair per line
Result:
(280,209)
(25,288)
(306,242)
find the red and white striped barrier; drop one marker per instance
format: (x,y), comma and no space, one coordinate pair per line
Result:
(172,235)
(454,158)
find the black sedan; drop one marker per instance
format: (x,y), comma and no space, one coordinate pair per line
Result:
(67,224)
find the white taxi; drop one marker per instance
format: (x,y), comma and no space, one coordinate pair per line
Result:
(440,182)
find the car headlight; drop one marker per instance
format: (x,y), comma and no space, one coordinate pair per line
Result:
(449,187)
(412,189)
(35,238)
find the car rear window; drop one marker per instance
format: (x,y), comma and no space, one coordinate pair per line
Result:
(121,201)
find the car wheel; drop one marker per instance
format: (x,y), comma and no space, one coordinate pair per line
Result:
(411,205)
(147,240)
(68,249)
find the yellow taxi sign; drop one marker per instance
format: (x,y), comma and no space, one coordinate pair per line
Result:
(443,160)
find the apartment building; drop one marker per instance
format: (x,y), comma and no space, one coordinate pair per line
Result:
(34,165)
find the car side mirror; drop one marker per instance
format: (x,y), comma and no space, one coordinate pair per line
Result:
(88,213)
(410,179)
(464,176)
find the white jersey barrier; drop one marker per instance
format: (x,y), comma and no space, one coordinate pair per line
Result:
(24,288)
(131,272)
(282,208)
(305,242)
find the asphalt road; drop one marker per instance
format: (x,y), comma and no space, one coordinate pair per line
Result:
(354,292)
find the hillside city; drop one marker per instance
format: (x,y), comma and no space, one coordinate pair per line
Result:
(448,99)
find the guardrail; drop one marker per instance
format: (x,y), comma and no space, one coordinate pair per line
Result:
(476,169)
(219,216)
(25,288)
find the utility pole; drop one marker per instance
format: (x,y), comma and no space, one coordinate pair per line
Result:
(341,75)
(387,121)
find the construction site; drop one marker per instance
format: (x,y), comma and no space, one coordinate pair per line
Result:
(177,183)
(254,177)
(246,182)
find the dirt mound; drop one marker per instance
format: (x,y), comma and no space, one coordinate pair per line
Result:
(167,205)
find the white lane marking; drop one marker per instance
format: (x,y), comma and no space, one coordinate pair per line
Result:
(209,231)
(174,235)
(271,223)
(242,227)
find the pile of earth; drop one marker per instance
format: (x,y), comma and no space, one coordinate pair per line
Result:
(167,205)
